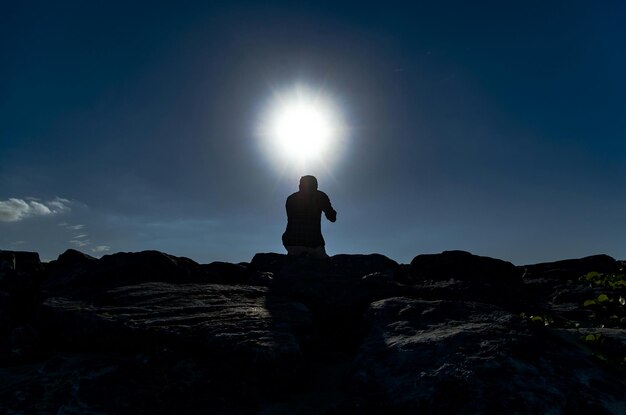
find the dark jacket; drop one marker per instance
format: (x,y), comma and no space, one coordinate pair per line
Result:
(304,212)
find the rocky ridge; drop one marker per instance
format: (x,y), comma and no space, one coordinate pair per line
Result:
(451,333)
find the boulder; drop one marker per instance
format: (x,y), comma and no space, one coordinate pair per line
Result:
(20,276)
(350,266)
(560,285)
(75,273)
(70,270)
(20,261)
(159,347)
(7,261)
(571,269)
(470,358)
(459,275)
(268,262)
(19,270)
(240,322)
(461,265)
(227,273)
(72,258)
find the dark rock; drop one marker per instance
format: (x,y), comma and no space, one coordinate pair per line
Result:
(459,275)
(461,265)
(7,261)
(20,277)
(337,289)
(20,261)
(151,266)
(204,347)
(71,270)
(75,273)
(268,262)
(609,344)
(72,257)
(18,343)
(226,273)
(19,271)
(570,269)
(554,283)
(349,266)
(149,332)
(232,321)
(24,343)
(163,383)
(6,311)
(470,358)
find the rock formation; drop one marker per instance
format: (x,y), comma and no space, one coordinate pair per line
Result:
(450,333)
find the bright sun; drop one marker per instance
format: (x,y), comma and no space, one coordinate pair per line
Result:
(301,125)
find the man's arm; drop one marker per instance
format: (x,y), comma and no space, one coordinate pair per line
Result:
(327,208)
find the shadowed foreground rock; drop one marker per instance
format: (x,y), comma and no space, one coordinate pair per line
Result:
(450,333)
(471,358)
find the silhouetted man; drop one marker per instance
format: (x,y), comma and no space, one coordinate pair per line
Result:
(304,212)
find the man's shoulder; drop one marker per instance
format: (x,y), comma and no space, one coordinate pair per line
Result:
(322,194)
(292,197)
(318,193)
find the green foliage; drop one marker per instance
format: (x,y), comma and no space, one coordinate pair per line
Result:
(609,308)
(604,310)
(594,277)
(607,280)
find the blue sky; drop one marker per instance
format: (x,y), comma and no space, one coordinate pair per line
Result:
(492,127)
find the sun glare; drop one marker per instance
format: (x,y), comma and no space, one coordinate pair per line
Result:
(302,125)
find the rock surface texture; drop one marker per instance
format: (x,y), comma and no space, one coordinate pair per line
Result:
(450,333)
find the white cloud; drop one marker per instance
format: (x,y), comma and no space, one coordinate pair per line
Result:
(80,242)
(14,209)
(71,227)
(100,249)
(59,205)
(79,235)
(39,208)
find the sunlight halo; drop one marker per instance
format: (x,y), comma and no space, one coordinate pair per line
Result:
(301,126)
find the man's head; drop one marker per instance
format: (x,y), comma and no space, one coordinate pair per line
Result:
(308,183)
